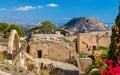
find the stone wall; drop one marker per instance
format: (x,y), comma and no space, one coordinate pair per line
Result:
(71,38)
(85,62)
(51,50)
(3,48)
(3,44)
(86,41)
(23,44)
(47,36)
(58,52)
(35,47)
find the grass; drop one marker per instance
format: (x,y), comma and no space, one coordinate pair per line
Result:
(3,55)
(7,67)
(83,55)
(92,69)
(65,40)
(44,72)
(3,62)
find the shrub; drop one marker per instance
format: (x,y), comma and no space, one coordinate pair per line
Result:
(3,56)
(44,72)
(83,55)
(65,40)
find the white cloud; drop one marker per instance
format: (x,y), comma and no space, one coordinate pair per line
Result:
(2,8)
(52,5)
(39,6)
(25,8)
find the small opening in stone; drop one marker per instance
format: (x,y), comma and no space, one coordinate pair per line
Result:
(39,54)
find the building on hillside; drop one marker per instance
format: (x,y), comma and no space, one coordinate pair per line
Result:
(89,41)
(55,34)
(46,36)
(63,32)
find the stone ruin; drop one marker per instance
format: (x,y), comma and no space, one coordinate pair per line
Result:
(18,56)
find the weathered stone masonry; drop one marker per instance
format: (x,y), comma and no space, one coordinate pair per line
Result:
(49,49)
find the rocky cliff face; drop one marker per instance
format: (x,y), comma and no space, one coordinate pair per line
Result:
(85,24)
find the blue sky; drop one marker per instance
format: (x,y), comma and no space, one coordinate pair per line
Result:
(58,11)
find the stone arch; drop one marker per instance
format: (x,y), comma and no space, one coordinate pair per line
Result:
(14,47)
(20,57)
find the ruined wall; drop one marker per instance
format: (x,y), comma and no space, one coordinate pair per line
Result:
(86,41)
(85,62)
(35,47)
(71,38)
(23,44)
(3,44)
(47,36)
(58,52)
(51,50)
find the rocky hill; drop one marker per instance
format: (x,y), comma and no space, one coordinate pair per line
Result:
(85,24)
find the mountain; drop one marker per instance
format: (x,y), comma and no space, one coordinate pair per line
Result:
(85,24)
(109,25)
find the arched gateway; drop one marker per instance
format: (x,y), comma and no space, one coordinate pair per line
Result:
(14,49)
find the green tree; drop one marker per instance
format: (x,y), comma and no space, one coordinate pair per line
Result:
(114,49)
(45,27)
(3,27)
(19,30)
(34,28)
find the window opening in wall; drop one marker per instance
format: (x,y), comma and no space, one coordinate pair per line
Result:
(39,54)
(94,47)
(28,49)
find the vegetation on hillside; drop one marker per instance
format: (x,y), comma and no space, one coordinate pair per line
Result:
(45,27)
(6,28)
(20,31)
